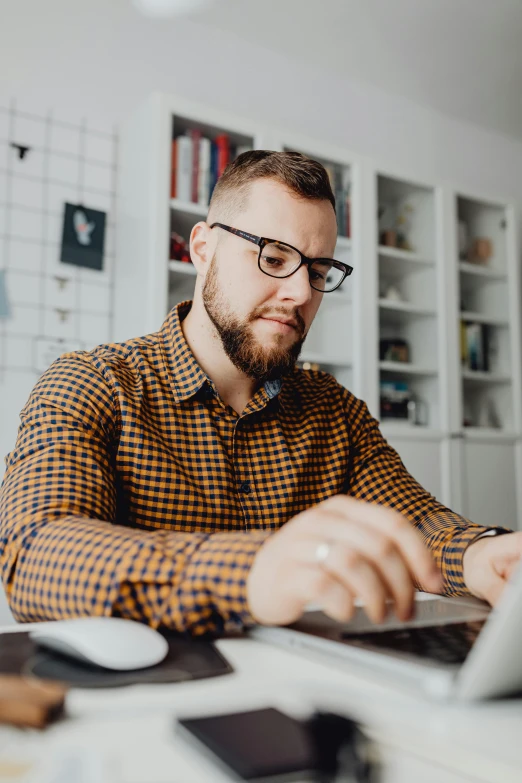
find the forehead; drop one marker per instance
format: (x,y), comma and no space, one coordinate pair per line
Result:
(272,210)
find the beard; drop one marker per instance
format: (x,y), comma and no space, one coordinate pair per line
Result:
(259,362)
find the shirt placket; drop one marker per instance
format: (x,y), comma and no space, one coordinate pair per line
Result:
(243,470)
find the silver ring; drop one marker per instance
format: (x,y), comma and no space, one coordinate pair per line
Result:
(322,552)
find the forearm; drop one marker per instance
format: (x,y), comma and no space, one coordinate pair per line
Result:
(76,566)
(379,476)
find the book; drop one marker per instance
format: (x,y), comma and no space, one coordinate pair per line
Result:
(223,152)
(184,168)
(204,171)
(195,135)
(463,345)
(475,347)
(173,161)
(213,168)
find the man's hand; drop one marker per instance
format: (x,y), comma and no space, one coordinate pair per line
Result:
(489,563)
(372,553)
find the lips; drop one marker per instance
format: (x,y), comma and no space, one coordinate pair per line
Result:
(287,321)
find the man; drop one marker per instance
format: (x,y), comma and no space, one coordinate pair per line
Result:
(195,478)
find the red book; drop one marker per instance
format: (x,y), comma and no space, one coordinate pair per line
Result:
(173,170)
(223,152)
(195,135)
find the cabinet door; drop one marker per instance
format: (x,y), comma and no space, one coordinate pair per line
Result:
(422,459)
(490,490)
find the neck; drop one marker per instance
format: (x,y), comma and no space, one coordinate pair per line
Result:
(234,387)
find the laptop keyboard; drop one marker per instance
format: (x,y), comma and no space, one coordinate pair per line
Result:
(441,643)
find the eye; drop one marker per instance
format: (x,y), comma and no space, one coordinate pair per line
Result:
(272,261)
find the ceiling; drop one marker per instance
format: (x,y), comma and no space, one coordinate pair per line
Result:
(460,57)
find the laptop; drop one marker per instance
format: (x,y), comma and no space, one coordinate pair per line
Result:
(454,648)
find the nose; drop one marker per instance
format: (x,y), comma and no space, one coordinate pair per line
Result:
(296,287)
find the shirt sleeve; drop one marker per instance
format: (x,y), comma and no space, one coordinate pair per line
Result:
(378,476)
(62,553)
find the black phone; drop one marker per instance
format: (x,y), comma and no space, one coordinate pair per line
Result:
(261,745)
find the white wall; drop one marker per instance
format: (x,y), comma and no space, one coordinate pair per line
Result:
(67,305)
(98,59)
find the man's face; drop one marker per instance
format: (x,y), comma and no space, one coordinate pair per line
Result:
(248,308)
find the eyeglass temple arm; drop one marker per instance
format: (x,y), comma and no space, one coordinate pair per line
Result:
(239,233)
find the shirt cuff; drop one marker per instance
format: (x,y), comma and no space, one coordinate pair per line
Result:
(452,560)
(211,596)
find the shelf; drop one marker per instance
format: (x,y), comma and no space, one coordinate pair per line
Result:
(182,267)
(404,307)
(481,271)
(399,429)
(189,207)
(489,434)
(323,359)
(485,377)
(405,368)
(480,318)
(403,255)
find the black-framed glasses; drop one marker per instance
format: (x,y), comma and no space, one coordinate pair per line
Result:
(278,259)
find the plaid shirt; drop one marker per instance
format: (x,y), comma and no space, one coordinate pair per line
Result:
(134,490)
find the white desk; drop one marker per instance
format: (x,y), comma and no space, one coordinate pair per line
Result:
(127,734)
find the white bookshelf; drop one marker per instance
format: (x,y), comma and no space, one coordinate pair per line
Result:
(470,468)
(407,284)
(488,316)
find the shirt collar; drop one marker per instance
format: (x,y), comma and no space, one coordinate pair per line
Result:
(185,375)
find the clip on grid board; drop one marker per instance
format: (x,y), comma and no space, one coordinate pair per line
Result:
(48,306)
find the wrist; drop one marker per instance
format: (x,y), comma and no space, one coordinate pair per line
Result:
(469,564)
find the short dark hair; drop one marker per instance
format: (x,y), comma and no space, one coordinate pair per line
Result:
(303,176)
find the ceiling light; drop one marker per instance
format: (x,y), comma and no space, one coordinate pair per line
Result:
(165,8)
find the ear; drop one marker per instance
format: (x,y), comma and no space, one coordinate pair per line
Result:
(201,247)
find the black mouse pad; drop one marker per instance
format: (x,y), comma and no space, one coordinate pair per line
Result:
(187,659)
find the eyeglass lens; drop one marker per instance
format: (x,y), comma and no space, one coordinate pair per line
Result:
(279,260)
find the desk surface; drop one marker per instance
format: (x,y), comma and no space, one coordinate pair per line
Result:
(127,735)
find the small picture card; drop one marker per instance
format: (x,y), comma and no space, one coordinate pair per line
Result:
(83,236)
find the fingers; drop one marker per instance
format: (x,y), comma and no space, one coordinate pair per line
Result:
(316,585)
(386,561)
(359,578)
(338,601)
(396,530)
(362,569)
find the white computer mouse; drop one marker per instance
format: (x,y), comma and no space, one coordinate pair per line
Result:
(111,642)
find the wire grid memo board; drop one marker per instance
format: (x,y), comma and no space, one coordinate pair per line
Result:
(45,162)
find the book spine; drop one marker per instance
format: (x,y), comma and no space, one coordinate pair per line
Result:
(474,348)
(204,172)
(213,168)
(195,135)
(223,152)
(184,168)
(464,359)
(173,163)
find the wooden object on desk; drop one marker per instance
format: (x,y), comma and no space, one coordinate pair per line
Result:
(30,702)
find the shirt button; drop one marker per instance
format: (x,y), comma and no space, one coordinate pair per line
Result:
(245,487)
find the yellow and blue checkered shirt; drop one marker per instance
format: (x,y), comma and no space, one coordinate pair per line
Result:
(134,490)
